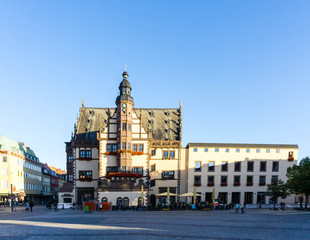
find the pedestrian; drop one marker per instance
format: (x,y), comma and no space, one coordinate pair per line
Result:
(27,207)
(242,207)
(31,206)
(237,208)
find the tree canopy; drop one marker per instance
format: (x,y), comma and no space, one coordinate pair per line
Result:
(298,181)
(277,189)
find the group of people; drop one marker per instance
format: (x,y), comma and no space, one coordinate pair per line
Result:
(29,206)
(240,206)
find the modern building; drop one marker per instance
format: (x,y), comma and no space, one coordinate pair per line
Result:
(124,153)
(237,172)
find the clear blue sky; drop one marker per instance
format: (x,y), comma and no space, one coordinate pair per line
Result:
(241,68)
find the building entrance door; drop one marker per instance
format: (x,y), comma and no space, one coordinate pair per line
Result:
(261,198)
(235,197)
(248,197)
(223,197)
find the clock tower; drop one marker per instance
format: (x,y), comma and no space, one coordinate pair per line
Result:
(124,103)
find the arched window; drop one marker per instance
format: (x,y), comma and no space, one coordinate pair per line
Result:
(104,199)
(119,201)
(126,202)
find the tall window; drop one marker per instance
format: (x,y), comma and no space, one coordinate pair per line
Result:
(140,147)
(129,127)
(224,166)
(237,166)
(153,152)
(210,180)
(153,168)
(223,180)
(129,146)
(171,154)
(124,146)
(249,180)
(262,180)
(124,128)
(275,166)
(237,179)
(211,166)
(135,148)
(197,180)
(197,166)
(165,154)
(263,166)
(250,166)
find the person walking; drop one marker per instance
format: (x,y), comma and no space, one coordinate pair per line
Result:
(237,208)
(27,207)
(242,207)
(31,206)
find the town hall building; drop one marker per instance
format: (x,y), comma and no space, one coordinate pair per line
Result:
(127,156)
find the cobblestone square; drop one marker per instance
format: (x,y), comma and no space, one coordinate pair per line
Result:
(69,224)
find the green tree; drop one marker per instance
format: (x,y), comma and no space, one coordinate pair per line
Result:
(299,179)
(277,189)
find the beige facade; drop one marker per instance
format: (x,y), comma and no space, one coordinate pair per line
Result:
(237,172)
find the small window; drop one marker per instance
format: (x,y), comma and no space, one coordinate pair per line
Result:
(237,150)
(129,127)
(278,150)
(195,149)
(153,152)
(124,169)
(165,154)
(247,150)
(227,150)
(171,154)
(236,179)
(4,159)
(217,150)
(140,147)
(258,150)
(153,168)
(197,166)
(274,178)
(211,166)
(206,149)
(267,150)
(249,179)
(135,148)
(124,126)
(129,146)
(262,179)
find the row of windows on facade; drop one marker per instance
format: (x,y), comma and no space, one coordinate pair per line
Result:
(121,201)
(248,150)
(24,164)
(125,126)
(138,170)
(237,166)
(32,186)
(237,182)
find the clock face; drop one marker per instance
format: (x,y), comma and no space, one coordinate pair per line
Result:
(124,105)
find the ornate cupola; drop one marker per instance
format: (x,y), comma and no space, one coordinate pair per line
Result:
(124,104)
(125,89)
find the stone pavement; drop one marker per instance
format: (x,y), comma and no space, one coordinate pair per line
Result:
(69,224)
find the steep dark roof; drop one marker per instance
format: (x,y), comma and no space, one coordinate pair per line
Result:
(242,145)
(164,123)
